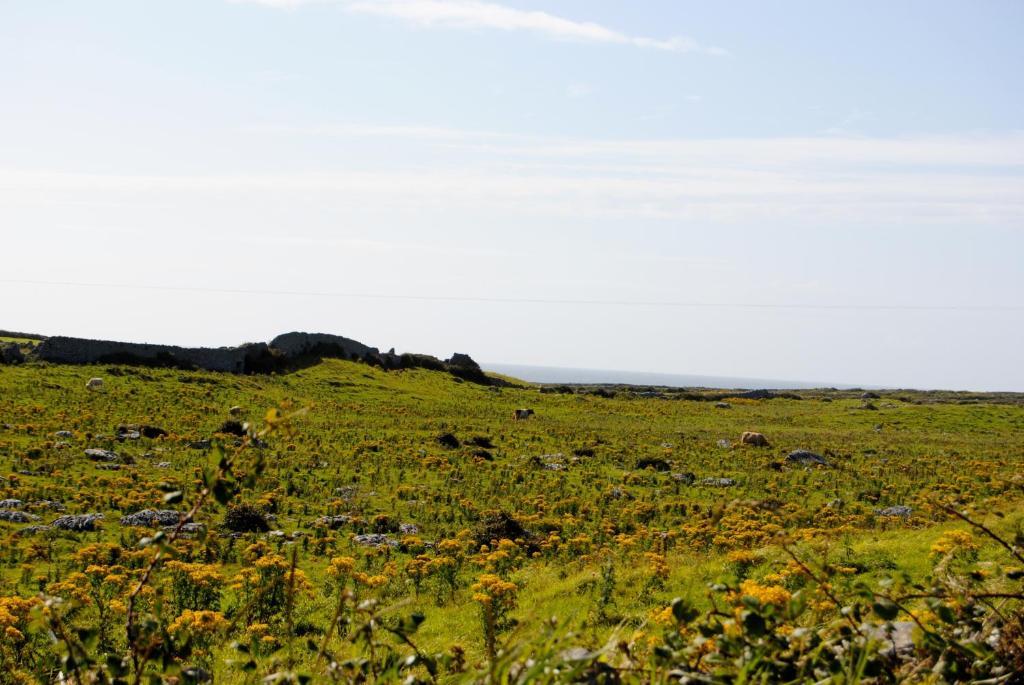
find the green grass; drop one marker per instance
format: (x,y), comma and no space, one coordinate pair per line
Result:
(376,431)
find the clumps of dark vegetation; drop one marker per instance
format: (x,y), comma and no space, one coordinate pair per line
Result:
(655,463)
(481,441)
(449,441)
(498,525)
(245,518)
(232,427)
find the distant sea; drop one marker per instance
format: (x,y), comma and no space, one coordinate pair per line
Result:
(556,374)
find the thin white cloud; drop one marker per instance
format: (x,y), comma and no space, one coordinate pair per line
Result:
(811,181)
(474,14)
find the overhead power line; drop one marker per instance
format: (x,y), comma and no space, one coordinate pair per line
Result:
(529,300)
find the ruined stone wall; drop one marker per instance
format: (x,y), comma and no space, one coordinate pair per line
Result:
(285,352)
(65,350)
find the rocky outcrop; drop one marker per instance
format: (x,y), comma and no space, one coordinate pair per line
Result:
(287,351)
(295,346)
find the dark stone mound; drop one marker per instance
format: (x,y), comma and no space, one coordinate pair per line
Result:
(652,463)
(232,427)
(10,353)
(462,366)
(483,454)
(870,396)
(583,451)
(481,441)
(246,518)
(498,526)
(448,440)
(602,392)
(685,477)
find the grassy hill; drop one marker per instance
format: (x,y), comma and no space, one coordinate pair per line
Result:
(609,508)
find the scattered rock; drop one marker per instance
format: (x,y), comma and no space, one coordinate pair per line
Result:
(449,441)
(870,396)
(408,529)
(12,516)
(718,482)
(235,410)
(483,454)
(806,457)
(64,434)
(754,439)
(684,477)
(481,441)
(200,444)
(583,452)
(723,405)
(724,444)
(869,406)
(334,522)
(31,530)
(375,540)
(82,523)
(187,529)
(898,510)
(124,433)
(152,518)
(11,504)
(47,504)
(898,636)
(95,454)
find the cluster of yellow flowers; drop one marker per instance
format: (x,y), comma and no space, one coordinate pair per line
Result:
(341,567)
(658,564)
(202,575)
(199,622)
(955,542)
(14,615)
(766,594)
(490,589)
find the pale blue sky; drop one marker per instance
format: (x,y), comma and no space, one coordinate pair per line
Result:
(788,153)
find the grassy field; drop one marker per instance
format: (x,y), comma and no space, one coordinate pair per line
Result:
(596,512)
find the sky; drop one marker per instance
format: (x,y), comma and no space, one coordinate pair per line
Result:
(796,190)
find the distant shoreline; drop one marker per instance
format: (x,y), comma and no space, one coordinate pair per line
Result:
(577,376)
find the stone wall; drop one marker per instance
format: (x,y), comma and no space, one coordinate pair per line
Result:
(64,350)
(287,351)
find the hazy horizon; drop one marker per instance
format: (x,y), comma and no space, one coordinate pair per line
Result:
(793,190)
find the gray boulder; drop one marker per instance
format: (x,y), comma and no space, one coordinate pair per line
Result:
(152,518)
(14,516)
(718,482)
(96,454)
(897,510)
(82,523)
(11,504)
(375,540)
(806,457)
